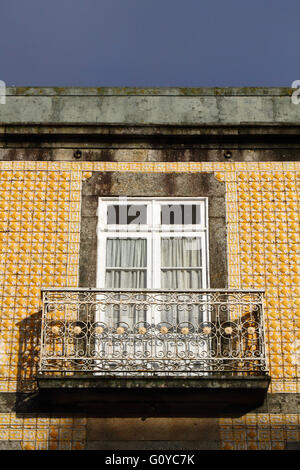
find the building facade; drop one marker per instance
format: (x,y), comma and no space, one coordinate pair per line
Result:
(149,266)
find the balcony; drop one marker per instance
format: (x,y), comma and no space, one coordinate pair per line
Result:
(158,352)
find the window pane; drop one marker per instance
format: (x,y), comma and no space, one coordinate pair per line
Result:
(126,214)
(126,252)
(180,214)
(181,252)
(126,312)
(127,279)
(181,279)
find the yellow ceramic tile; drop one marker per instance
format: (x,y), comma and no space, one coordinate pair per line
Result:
(263,245)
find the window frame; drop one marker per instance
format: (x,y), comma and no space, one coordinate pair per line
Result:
(101,268)
(152,230)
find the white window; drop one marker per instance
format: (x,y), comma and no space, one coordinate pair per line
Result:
(146,243)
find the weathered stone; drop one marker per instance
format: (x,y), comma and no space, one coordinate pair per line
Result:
(162,106)
(154,396)
(152,429)
(158,185)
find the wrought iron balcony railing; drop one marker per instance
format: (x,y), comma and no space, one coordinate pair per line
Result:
(148,332)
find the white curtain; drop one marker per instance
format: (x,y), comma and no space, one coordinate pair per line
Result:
(183,258)
(128,258)
(126,253)
(126,267)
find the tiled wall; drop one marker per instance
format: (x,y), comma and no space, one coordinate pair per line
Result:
(259,431)
(40,432)
(39,246)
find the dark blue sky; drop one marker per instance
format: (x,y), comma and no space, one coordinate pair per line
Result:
(147,43)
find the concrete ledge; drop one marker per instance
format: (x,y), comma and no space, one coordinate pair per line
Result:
(183,106)
(156,91)
(154,396)
(104,382)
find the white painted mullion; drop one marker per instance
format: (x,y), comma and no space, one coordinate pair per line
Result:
(155,243)
(156,260)
(206,316)
(204,260)
(100,279)
(100,261)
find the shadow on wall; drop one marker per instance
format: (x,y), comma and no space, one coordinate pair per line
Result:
(60,428)
(28,360)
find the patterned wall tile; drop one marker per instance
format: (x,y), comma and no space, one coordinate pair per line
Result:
(40,204)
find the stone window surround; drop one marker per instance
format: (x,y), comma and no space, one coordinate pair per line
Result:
(117,183)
